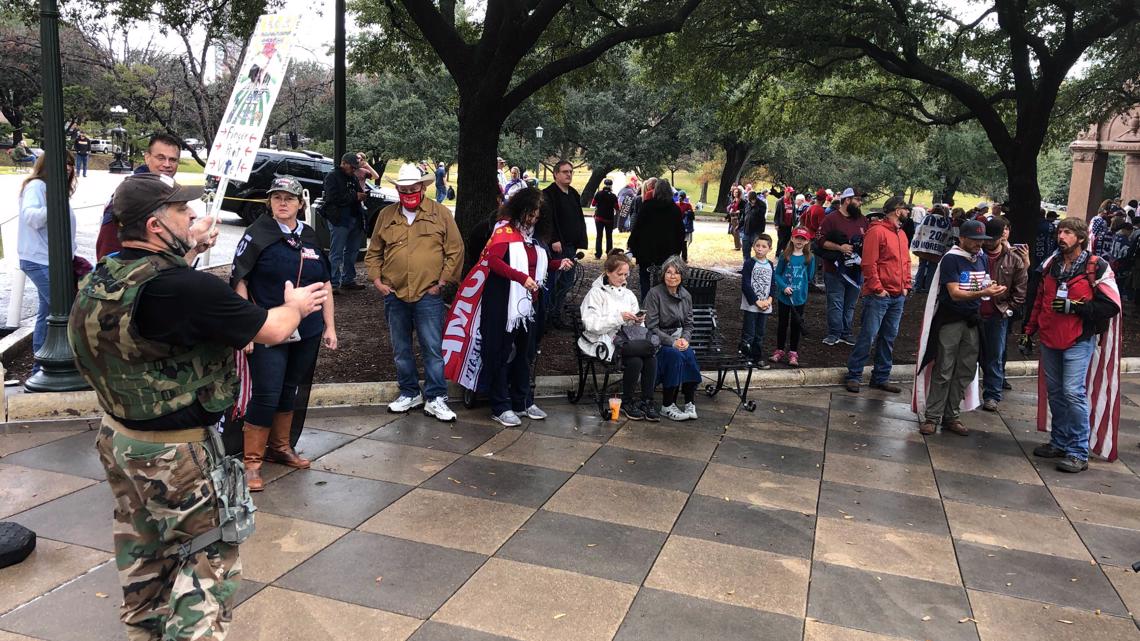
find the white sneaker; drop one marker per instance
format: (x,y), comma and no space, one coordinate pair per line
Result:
(672,412)
(405,403)
(507,418)
(535,413)
(439,409)
(691,411)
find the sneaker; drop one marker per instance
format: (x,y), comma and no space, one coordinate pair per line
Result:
(852,386)
(507,419)
(776,356)
(794,359)
(691,411)
(887,387)
(1046,450)
(761,365)
(927,428)
(632,410)
(847,341)
(650,409)
(439,409)
(674,413)
(830,341)
(405,403)
(535,412)
(1072,465)
(990,405)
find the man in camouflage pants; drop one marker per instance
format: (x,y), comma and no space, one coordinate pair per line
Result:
(155,339)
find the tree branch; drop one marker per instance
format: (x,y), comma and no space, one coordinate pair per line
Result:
(441,35)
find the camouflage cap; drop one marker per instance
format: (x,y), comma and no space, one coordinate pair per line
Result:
(286,184)
(140,195)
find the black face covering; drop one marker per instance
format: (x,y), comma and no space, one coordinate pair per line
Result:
(177,246)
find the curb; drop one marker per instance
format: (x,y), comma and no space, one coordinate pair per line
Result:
(67,405)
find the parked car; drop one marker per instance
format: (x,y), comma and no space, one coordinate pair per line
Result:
(378,198)
(101,146)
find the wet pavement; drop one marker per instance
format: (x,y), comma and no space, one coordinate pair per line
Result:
(821,516)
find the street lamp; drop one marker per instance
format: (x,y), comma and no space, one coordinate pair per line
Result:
(538,167)
(120,165)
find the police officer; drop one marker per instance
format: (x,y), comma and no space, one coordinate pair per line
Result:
(155,339)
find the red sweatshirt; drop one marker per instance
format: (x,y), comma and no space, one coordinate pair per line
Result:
(886,259)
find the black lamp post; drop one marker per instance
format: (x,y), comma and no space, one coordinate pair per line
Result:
(57,371)
(339,88)
(121,164)
(538,155)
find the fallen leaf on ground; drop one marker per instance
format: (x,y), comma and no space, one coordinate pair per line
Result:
(101,595)
(559,615)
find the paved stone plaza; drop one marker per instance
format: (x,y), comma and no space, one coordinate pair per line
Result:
(823,516)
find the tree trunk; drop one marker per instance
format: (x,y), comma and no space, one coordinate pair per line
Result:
(735,156)
(704,192)
(477,188)
(1024,198)
(949,188)
(591,188)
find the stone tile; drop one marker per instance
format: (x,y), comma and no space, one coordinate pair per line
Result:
(880,549)
(246,589)
(1003,618)
(846,421)
(534,603)
(644,468)
(382,572)
(532,448)
(74,455)
(51,564)
(819,631)
(1127,584)
(450,520)
(1096,479)
(872,408)
(746,525)
(336,499)
(760,487)
(980,463)
(981,441)
(586,546)
(881,474)
(83,518)
(274,613)
(618,502)
(579,424)
(459,437)
(792,413)
(358,425)
(880,507)
(382,461)
(8,636)
(16,438)
(890,605)
(22,488)
(1102,509)
(878,447)
(665,616)
(664,439)
(314,444)
(74,612)
(1110,545)
(733,575)
(1038,577)
(435,631)
(280,544)
(775,458)
(1039,533)
(1001,493)
(485,478)
(808,438)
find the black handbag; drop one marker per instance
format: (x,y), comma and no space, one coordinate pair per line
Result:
(636,340)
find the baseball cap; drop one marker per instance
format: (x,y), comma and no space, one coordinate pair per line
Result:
(982,205)
(974,230)
(351,159)
(995,227)
(287,184)
(895,202)
(850,193)
(140,195)
(801,232)
(821,194)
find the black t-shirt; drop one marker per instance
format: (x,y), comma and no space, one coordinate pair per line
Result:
(188,307)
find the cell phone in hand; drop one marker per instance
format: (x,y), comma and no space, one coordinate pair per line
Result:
(1021,246)
(641,312)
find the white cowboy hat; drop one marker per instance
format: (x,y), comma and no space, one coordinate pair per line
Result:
(410,175)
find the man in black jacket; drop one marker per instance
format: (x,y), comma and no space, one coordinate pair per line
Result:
(344,210)
(605,210)
(562,205)
(754,223)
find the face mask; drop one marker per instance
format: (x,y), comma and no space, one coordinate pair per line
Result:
(176,245)
(411,201)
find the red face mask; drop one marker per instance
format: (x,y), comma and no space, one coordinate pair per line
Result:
(411,201)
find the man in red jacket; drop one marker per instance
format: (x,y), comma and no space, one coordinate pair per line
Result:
(886,282)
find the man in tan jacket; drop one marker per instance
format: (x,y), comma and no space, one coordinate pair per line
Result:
(415,250)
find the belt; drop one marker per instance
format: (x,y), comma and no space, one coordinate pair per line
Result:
(187,435)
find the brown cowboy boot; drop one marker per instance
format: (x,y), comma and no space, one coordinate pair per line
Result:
(253,451)
(279,449)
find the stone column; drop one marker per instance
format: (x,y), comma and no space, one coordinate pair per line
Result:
(1086,187)
(1130,190)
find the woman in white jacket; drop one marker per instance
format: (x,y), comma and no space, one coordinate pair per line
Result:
(32,238)
(608,308)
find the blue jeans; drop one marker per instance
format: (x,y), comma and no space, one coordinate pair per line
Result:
(440,193)
(345,245)
(275,373)
(993,335)
(924,275)
(841,299)
(880,326)
(80,164)
(38,274)
(752,334)
(746,245)
(1065,371)
(426,317)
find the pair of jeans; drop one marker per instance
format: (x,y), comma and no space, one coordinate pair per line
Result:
(880,326)
(344,247)
(1065,371)
(746,241)
(608,230)
(924,275)
(440,193)
(425,316)
(38,274)
(995,330)
(955,365)
(841,299)
(752,334)
(275,373)
(81,165)
(789,315)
